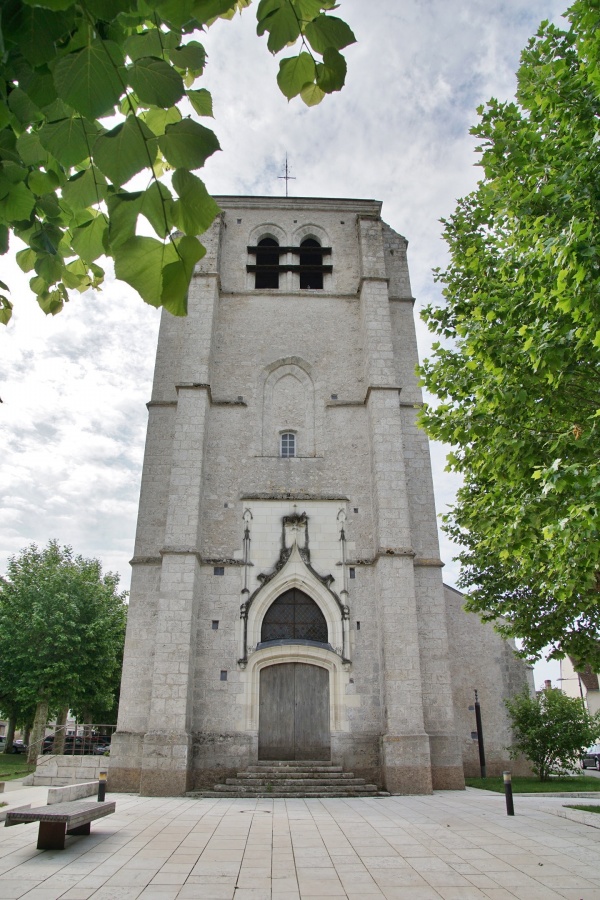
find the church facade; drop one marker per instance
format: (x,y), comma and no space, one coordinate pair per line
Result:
(287,600)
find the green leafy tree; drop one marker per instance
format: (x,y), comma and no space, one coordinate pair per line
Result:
(551,730)
(517,369)
(62,627)
(96,92)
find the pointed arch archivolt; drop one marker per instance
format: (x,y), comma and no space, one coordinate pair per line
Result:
(288,404)
(295,574)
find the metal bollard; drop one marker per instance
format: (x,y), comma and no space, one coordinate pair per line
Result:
(102,776)
(510,809)
(482,766)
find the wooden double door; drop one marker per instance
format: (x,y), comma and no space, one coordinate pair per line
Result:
(294,712)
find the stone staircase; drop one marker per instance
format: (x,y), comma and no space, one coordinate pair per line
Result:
(289,779)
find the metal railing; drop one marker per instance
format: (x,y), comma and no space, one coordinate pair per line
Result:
(76,739)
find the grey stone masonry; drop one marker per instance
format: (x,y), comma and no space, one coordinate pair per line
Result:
(231,522)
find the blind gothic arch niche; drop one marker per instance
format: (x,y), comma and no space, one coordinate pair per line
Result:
(294,616)
(288,405)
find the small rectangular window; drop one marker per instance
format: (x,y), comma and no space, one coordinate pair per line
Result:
(219,570)
(288,445)
(356,509)
(223,675)
(352,573)
(215,624)
(358,626)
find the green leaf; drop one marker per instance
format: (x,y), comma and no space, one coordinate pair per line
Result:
(49,267)
(177,276)
(207,10)
(33,30)
(295,72)
(91,80)
(107,10)
(50,302)
(85,188)
(189,56)
(158,119)
(50,4)
(331,74)
(126,150)
(140,261)
(312,94)
(5,115)
(40,88)
(26,259)
(155,82)
(6,308)
(23,108)
(279,19)
(31,150)
(123,210)
(42,182)
(3,243)
(89,241)
(157,207)
(328,31)
(18,204)
(149,43)
(195,210)
(201,100)
(187,144)
(68,140)
(46,238)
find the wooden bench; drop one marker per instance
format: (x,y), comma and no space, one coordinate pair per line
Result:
(60,819)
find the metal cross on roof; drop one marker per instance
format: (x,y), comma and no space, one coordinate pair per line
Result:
(287,177)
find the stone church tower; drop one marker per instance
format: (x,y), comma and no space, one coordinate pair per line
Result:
(287,598)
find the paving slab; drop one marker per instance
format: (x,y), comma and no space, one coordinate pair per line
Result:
(454,845)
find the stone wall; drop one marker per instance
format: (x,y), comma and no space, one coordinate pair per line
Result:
(58,770)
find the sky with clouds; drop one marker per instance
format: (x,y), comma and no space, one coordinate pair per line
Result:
(74,386)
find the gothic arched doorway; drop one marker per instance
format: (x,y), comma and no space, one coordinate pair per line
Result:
(294,712)
(294,696)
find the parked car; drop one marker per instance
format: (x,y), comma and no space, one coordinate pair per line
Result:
(17,746)
(591,758)
(101,749)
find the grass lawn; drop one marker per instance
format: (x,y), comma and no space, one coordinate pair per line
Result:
(594,809)
(14,765)
(533,785)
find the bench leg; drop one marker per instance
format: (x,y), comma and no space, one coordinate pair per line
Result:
(51,836)
(81,829)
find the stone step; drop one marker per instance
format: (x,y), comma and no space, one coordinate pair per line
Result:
(294,782)
(278,795)
(295,762)
(293,769)
(282,788)
(283,773)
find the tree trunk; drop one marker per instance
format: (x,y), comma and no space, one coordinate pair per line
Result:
(37,732)
(10,734)
(60,731)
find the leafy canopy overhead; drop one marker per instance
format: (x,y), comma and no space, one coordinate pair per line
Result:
(517,371)
(94,93)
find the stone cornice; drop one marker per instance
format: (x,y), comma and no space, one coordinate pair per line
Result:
(186,551)
(362,208)
(302,496)
(200,386)
(431,563)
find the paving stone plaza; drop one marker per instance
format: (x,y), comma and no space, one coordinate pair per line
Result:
(455,845)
